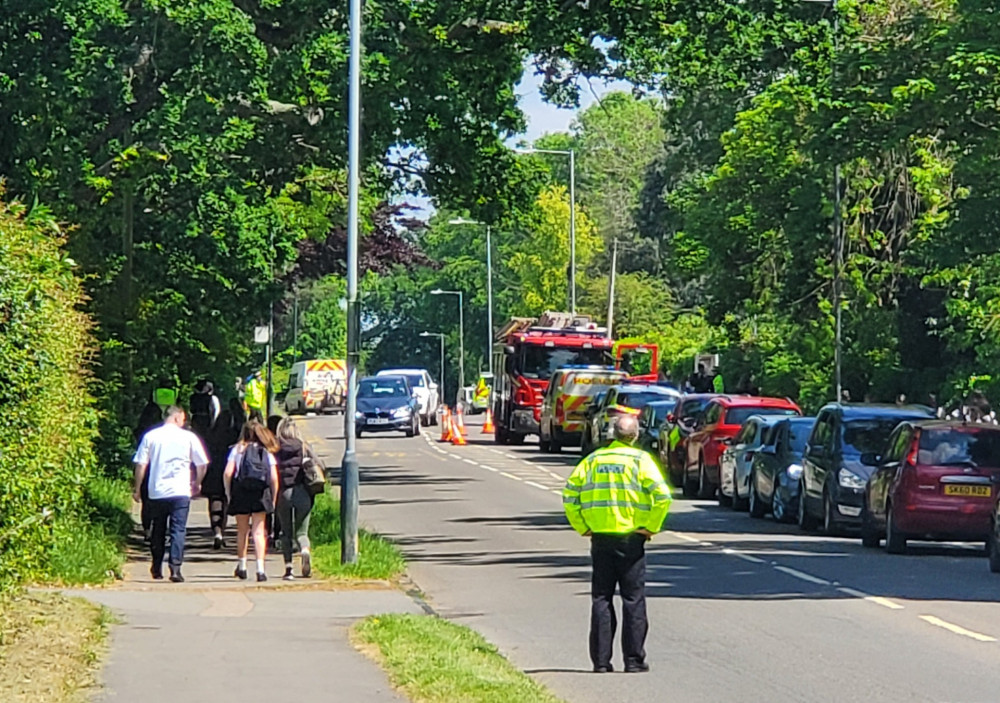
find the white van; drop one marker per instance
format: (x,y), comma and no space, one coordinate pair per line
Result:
(424,390)
(317,385)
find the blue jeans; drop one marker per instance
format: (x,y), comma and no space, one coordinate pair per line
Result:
(175,512)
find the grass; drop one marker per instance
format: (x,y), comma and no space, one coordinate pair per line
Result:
(435,661)
(378,558)
(49,648)
(93,551)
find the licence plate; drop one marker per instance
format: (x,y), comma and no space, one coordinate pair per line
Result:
(378,421)
(962,490)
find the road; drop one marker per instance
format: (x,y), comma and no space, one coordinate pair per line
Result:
(739,609)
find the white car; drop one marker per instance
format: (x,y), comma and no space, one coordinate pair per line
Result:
(424,390)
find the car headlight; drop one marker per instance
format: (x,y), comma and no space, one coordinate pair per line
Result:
(358,415)
(849,479)
(402,412)
(794,472)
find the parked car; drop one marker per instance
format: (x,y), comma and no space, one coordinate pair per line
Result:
(734,464)
(651,422)
(567,398)
(840,457)
(937,480)
(386,403)
(678,427)
(721,420)
(776,471)
(424,390)
(624,399)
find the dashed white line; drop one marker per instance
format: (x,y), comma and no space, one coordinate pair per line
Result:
(516,478)
(489,468)
(470,461)
(801,575)
(536,485)
(687,538)
(958,630)
(740,555)
(877,600)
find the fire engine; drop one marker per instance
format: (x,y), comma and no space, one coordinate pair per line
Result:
(528,352)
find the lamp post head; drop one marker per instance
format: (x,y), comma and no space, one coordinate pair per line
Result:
(463,221)
(437,291)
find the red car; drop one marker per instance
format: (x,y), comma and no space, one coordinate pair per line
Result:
(936,480)
(720,422)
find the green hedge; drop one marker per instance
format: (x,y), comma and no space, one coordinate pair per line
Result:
(47,420)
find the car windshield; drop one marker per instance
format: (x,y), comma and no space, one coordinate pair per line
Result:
(737,416)
(541,362)
(867,436)
(382,388)
(949,446)
(639,399)
(661,410)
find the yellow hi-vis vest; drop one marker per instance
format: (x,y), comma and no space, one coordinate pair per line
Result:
(616,490)
(256,394)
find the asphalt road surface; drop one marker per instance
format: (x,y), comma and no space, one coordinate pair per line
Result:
(739,609)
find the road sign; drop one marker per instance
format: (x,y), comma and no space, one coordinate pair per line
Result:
(260,335)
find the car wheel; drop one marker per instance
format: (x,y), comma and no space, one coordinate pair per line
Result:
(757,507)
(416,427)
(357,433)
(895,541)
(806,521)
(869,535)
(830,525)
(555,446)
(705,489)
(737,502)
(993,549)
(723,500)
(500,435)
(434,417)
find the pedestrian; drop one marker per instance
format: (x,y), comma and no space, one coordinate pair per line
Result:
(205,408)
(273,525)
(700,381)
(256,397)
(150,417)
(617,497)
(221,439)
(251,481)
(167,453)
(295,502)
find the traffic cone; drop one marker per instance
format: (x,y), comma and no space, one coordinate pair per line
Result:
(446,430)
(488,425)
(460,422)
(456,437)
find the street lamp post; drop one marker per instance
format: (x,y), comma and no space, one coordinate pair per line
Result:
(440,337)
(572,214)
(461,334)
(489,286)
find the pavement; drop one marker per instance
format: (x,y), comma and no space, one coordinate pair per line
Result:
(215,639)
(739,609)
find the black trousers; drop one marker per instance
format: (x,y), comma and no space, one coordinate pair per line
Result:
(619,560)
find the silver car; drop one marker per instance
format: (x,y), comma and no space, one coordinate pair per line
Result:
(737,459)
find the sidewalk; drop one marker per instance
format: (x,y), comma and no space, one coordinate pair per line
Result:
(215,639)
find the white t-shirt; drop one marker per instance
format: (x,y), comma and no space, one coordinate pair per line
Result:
(170,451)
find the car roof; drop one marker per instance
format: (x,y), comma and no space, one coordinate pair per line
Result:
(768,419)
(399,371)
(587,367)
(384,376)
(871,411)
(742,401)
(643,387)
(937,424)
(660,403)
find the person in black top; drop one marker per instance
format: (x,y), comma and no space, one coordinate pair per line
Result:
(701,382)
(294,501)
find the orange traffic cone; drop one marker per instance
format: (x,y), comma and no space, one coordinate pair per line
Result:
(460,421)
(446,430)
(456,437)
(488,425)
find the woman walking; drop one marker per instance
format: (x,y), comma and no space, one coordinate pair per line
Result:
(251,481)
(295,502)
(221,439)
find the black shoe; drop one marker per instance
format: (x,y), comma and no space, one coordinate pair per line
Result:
(156,573)
(289,576)
(175,577)
(218,543)
(261,576)
(604,669)
(241,574)
(637,668)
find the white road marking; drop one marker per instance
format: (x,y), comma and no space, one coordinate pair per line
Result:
(556,476)
(558,493)
(938,622)
(801,575)
(513,456)
(470,461)
(877,600)
(489,468)
(536,485)
(516,478)
(687,538)
(741,555)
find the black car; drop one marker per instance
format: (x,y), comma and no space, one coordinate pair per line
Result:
(651,421)
(841,454)
(776,471)
(386,403)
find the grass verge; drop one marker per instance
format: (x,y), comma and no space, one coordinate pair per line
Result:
(378,558)
(435,661)
(49,648)
(92,550)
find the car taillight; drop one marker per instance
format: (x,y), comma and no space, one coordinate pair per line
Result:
(560,410)
(911,458)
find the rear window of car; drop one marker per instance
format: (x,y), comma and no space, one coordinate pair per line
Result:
(950,446)
(737,416)
(693,408)
(416,380)
(868,435)
(639,399)
(661,410)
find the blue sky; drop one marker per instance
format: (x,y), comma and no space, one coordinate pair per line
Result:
(543,117)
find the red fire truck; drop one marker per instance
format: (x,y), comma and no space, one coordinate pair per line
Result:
(529,350)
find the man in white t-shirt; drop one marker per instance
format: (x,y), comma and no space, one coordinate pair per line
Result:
(168,452)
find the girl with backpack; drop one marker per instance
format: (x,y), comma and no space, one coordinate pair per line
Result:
(251,480)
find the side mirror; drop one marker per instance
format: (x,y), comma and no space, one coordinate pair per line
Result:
(508,349)
(671,417)
(870,459)
(433,386)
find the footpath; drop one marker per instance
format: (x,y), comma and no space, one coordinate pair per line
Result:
(215,638)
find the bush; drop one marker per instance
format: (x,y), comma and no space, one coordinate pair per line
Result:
(49,425)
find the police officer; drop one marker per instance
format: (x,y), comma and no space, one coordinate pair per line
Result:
(617,497)
(256,397)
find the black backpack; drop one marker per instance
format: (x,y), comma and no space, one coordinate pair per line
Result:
(255,468)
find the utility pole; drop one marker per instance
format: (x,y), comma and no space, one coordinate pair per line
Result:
(611,287)
(350,475)
(295,326)
(572,231)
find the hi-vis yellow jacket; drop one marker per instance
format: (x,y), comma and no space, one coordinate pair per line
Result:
(616,490)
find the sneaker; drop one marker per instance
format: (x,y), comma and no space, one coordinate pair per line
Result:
(307,568)
(241,574)
(218,543)
(175,577)
(261,576)
(288,574)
